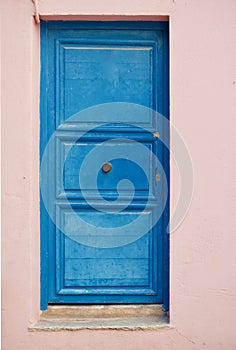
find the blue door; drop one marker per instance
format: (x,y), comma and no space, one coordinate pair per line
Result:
(104,169)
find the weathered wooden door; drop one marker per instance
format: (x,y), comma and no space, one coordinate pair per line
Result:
(102,177)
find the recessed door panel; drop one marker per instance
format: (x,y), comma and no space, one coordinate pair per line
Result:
(74,156)
(105,73)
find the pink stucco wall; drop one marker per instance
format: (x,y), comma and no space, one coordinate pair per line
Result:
(203,108)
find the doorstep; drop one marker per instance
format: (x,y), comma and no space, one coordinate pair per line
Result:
(116,317)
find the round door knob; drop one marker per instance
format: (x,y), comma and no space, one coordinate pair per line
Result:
(106,168)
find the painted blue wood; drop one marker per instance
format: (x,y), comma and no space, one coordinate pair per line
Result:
(44,219)
(121,168)
(166,166)
(121,73)
(133,263)
(82,64)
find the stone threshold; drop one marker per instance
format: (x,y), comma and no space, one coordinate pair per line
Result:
(100,317)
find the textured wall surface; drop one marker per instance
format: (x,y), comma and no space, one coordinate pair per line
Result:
(203,108)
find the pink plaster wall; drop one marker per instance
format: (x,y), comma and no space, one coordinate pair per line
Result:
(203,108)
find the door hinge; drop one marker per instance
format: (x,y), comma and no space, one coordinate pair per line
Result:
(156,135)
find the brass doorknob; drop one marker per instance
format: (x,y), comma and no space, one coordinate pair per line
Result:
(106,168)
